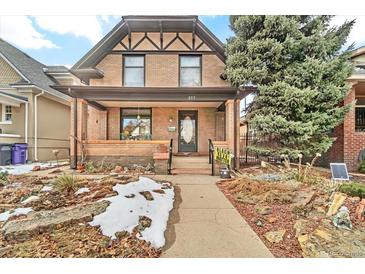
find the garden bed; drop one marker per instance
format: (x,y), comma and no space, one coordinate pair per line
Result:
(83,216)
(293,217)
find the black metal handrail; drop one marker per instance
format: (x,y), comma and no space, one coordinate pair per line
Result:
(211,154)
(169,162)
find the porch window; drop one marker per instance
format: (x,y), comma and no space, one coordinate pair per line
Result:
(135,124)
(360,115)
(190,71)
(133,71)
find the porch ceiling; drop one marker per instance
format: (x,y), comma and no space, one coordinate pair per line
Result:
(158,104)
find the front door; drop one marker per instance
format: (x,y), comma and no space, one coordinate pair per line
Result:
(188,125)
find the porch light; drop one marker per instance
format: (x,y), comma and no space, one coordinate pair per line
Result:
(170,119)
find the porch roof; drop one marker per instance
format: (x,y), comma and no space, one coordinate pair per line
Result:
(154,94)
(12,99)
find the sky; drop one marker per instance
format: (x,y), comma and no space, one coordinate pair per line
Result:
(63,40)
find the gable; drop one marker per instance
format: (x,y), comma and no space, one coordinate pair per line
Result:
(8,74)
(167,41)
(153,33)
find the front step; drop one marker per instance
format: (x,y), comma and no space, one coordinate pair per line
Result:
(191,171)
(191,165)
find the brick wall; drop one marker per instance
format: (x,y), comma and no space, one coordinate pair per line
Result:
(212,68)
(353,141)
(162,70)
(96,124)
(113,123)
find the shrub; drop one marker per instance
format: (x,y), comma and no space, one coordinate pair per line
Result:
(67,183)
(4,178)
(362,166)
(353,189)
(90,168)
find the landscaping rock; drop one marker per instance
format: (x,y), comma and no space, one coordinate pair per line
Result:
(130,196)
(118,169)
(328,241)
(338,199)
(160,191)
(36,168)
(143,223)
(275,236)
(303,198)
(300,227)
(148,196)
(37,222)
(360,211)
(342,219)
(263,210)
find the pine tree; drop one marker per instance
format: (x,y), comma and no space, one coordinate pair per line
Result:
(300,68)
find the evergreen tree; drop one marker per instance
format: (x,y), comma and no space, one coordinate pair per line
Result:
(300,69)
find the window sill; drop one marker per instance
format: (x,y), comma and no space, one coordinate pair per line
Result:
(10,135)
(6,122)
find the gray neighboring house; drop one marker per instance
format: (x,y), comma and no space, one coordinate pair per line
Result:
(30,110)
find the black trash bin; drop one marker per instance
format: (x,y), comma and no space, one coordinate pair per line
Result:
(5,154)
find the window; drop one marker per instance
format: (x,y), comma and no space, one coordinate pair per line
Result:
(133,71)
(7,113)
(190,71)
(360,115)
(135,124)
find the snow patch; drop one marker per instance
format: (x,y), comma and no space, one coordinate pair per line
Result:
(26,168)
(30,199)
(19,211)
(123,213)
(46,188)
(82,190)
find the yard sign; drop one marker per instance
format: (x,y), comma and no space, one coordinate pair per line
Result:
(222,155)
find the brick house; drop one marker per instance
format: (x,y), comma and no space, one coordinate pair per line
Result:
(149,80)
(350,136)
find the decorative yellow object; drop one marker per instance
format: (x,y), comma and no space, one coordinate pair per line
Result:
(338,199)
(222,155)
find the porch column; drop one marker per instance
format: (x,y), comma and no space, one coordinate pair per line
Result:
(232,128)
(78,130)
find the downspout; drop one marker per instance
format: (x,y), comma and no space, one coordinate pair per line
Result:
(75,134)
(26,127)
(235,133)
(36,125)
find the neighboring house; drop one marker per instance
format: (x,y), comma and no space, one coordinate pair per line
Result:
(149,80)
(31,111)
(350,136)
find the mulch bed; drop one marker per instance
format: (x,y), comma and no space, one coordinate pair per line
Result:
(284,219)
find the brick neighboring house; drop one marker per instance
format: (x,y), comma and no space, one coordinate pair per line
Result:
(149,80)
(351,134)
(31,111)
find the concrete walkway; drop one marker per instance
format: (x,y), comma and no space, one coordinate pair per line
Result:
(205,224)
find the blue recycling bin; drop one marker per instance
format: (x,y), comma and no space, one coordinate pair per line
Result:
(19,153)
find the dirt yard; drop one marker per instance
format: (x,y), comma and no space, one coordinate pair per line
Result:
(295,218)
(64,215)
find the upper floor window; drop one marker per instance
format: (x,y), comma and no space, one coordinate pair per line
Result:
(190,71)
(6,113)
(133,71)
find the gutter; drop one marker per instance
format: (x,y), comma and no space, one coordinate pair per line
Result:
(36,125)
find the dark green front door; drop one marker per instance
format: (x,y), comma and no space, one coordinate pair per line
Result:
(188,126)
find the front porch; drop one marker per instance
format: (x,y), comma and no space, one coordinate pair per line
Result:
(138,131)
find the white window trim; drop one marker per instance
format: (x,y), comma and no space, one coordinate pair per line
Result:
(3,121)
(10,135)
